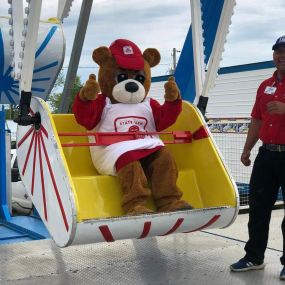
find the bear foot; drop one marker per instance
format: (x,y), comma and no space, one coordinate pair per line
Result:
(139,210)
(176,205)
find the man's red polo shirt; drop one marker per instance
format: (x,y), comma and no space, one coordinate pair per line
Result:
(272,129)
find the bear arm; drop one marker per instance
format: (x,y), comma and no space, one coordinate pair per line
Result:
(88,113)
(165,115)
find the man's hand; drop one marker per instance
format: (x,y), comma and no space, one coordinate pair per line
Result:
(245,158)
(276,107)
(90,90)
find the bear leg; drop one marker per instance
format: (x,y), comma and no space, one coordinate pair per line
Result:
(135,189)
(161,170)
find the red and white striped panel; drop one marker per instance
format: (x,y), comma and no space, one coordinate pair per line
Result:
(153,225)
(45,176)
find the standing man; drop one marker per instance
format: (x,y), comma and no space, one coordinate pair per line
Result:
(268,174)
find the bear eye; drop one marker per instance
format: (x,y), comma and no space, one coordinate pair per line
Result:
(140,78)
(121,77)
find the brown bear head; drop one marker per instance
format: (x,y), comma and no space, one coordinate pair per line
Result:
(124,74)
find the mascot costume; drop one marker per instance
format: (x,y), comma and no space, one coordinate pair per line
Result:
(143,166)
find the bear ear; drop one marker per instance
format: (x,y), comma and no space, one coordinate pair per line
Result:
(152,56)
(101,55)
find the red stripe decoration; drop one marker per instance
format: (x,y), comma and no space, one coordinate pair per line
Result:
(210,222)
(34,164)
(43,130)
(28,154)
(38,142)
(146,229)
(25,136)
(42,177)
(54,183)
(175,227)
(105,231)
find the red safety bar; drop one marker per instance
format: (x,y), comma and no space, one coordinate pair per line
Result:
(105,138)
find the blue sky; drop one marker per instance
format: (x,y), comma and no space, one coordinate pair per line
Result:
(163,24)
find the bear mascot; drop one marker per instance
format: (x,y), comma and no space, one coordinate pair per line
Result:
(143,166)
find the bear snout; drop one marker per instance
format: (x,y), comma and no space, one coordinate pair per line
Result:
(131,87)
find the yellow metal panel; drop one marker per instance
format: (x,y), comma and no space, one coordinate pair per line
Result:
(100,196)
(188,183)
(215,185)
(78,158)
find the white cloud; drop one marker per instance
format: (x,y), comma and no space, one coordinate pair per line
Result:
(255,27)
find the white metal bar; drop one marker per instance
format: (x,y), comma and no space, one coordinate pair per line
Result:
(198,46)
(218,47)
(32,27)
(16,22)
(63,9)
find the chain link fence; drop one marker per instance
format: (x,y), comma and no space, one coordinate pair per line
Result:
(230,136)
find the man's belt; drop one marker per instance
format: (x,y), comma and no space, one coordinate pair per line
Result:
(274,147)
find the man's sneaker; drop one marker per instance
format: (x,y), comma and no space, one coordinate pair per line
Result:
(245,265)
(282,274)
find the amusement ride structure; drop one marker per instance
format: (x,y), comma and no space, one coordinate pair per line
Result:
(75,203)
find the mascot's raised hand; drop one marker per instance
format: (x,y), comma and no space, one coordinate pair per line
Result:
(172,92)
(90,90)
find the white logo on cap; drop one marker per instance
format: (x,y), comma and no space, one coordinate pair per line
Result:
(128,50)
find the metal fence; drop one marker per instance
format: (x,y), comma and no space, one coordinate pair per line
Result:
(230,136)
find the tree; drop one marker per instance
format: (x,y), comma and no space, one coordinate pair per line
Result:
(55,97)
(12,112)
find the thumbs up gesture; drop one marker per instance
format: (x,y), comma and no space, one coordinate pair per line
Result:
(90,89)
(172,92)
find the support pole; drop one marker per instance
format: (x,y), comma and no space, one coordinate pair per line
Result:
(4,209)
(174,59)
(75,54)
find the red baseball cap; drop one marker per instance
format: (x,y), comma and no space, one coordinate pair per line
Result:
(127,54)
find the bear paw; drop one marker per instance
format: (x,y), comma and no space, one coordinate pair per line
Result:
(90,90)
(139,210)
(172,92)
